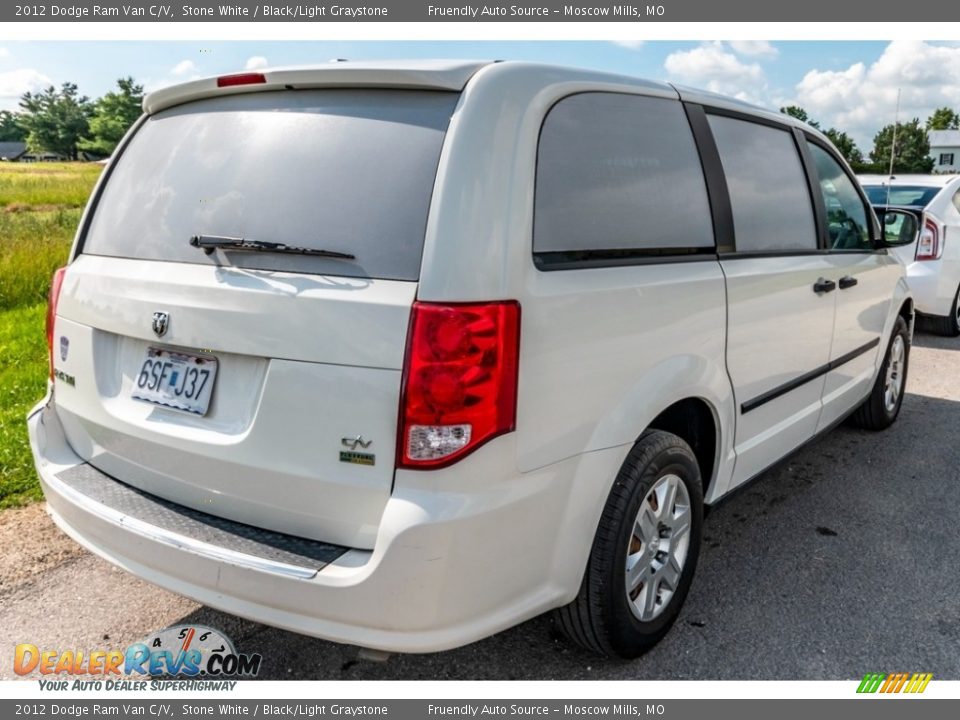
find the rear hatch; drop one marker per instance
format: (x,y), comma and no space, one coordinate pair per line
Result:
(255,385)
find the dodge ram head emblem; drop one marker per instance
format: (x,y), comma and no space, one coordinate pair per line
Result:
(161,321)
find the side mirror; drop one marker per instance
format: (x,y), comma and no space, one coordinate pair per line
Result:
(900,227)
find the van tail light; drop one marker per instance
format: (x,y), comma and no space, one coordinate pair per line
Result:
(241,79)
(459,380)
(52,299)
(928,246)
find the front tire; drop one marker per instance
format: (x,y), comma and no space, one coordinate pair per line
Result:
(882,406)
(644,553)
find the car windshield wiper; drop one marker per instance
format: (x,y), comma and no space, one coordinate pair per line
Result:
(209,243)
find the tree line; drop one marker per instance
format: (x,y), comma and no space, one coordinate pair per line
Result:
(62,121)
(912,152)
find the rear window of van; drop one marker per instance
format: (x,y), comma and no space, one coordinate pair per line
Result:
(346,170)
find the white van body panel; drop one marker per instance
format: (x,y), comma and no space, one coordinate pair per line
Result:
(864,313)
(659,332)
(778,330)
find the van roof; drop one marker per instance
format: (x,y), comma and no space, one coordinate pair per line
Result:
(450,75)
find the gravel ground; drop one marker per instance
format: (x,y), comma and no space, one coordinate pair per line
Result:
(840,561)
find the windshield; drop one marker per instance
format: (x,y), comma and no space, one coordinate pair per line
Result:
(914,195)
(349,171)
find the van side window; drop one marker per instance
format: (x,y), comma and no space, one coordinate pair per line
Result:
(772,208)
(847,225)
(617,176)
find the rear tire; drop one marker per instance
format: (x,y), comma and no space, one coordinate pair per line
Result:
(949,325)
(644,554)
(881,408)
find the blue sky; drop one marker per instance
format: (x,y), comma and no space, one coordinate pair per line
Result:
(851,85)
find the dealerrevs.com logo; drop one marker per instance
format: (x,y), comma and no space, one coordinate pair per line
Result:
(182,651)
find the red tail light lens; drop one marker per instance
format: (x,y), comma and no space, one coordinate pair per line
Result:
(241,79)
(928,246)
(460,380)
(52,299)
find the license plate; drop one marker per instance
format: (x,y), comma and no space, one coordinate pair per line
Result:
(176,380)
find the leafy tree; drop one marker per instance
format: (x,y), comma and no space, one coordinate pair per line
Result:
(113,114)
(845,144)
(795,111)
(10,129)
(55,120)
(847,147)
(912,151)
(943,118)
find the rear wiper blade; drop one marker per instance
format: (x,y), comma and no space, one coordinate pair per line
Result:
(209,243)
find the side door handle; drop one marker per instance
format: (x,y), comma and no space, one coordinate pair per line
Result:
(824,286)
(847,282)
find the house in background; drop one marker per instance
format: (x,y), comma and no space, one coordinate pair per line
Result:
(12,151)
(18,152)
(945,150)
(42,156)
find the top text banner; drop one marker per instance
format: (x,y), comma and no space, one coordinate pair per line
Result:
(529,11)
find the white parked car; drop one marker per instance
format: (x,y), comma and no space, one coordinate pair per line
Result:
(401,355)
(933,259)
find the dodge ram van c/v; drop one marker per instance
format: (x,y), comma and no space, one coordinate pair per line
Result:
(401,355)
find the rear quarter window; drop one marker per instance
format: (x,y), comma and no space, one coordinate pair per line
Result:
(345,170)
(618,174)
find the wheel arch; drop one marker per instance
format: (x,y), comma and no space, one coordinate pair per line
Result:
(696,422)
(908,313)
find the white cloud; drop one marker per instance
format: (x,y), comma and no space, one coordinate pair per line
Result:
(183,71)
(712,67)
(184,67)
(4,52)
(15,83)
(256,62)
(754,48)
(628,44)
(861,99)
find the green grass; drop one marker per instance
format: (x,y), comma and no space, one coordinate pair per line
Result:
(23,381)
(32,245)
(40,206)
(36,185)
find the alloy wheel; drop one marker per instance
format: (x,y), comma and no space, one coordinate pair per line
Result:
(658,547)
(894,380)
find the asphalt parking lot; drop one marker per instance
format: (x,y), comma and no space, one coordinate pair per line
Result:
(842,560)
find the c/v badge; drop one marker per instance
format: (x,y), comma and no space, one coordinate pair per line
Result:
(352,456)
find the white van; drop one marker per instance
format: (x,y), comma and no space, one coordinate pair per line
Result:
(401,355)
